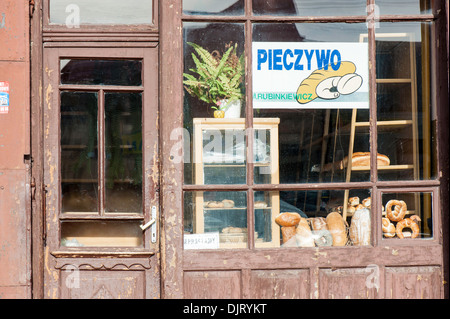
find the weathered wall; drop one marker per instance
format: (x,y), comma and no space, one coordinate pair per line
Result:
(15,265)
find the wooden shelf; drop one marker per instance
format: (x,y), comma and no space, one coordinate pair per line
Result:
(200,126)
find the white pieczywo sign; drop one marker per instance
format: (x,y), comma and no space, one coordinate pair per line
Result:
(310,75)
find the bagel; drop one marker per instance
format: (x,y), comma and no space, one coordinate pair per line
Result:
(309,85)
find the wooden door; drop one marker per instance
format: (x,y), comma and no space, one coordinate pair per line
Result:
(100,132)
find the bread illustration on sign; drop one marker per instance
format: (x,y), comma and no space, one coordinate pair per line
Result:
(328,83)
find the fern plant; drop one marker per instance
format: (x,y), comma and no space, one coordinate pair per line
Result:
(215,77)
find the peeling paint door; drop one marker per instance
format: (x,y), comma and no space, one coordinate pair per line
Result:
(101,174)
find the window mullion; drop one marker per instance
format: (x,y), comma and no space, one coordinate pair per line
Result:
(101,152)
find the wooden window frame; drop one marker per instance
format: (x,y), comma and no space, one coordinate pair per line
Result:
(248,19)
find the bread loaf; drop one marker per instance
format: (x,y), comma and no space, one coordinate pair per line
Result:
(336,226)
(363,159)
(228,203)
(318,223)
(303,234)
(288,219)
(360,227)
(287,232)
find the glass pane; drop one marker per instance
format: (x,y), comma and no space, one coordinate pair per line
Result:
(215,220)
(217,95)
(386,7)
(310,7)
(407,215)
(405,114)
(101,72)
(79,152)
(323,122)
(74,13)
(313,218)
(213,7)
(101,234)
(123,147)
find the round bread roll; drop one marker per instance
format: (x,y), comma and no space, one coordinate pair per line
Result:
(336,226)
(353,201)
(288,219)
(367,202)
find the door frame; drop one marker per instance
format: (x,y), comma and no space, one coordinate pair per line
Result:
(60,261)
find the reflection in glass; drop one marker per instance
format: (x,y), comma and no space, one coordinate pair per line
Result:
(220,216)
(123,147)
(309,7)
(404,111)
(101,234)
(406,7)
(407,215)
(72,13)
(101,72)
(213,7)
(79,152)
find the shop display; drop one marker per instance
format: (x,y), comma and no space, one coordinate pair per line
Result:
(219,157)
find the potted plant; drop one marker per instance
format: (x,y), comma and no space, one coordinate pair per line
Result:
(217,79)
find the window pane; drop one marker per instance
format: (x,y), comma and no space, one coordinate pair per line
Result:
(219,142)
(313,218)
(215,220)
(405,114)
(315,139)
(101,234)
(72,13)
(407,215)
(101,72)
(403,6)
(123,147)
(79,152)
(213,7)
(309,7)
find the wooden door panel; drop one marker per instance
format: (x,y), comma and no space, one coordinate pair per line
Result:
(280,284)
(212,284)
(346,283)
(413,282)
(99,284)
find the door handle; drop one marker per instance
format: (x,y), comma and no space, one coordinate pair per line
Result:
(144,227)
(151,223)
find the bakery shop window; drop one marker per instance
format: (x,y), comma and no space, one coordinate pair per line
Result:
(328,110)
